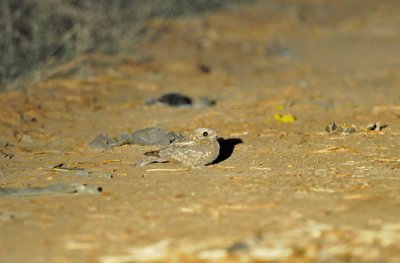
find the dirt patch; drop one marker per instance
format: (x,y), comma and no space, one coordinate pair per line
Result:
(284,189)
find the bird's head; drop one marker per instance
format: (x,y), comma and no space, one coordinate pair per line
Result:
(207,134)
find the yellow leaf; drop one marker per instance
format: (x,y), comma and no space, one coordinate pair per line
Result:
(286,118)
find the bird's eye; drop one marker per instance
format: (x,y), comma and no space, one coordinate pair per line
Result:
(205,134)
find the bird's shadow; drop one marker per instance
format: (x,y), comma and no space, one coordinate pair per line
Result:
(226,148)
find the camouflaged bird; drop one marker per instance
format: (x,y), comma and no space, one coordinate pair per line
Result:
(197,150)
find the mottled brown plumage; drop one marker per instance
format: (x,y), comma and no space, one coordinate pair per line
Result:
(197,150)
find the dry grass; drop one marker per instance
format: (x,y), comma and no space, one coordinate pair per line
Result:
(34,33)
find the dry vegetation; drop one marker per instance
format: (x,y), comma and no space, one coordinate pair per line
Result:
(35,33)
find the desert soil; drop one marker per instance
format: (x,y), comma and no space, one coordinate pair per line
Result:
(289,192)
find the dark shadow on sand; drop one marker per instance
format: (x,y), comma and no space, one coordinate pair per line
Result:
(226,148)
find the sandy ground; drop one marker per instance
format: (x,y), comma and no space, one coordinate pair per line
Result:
(290,192)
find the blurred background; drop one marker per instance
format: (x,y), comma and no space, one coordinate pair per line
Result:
(36,33)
